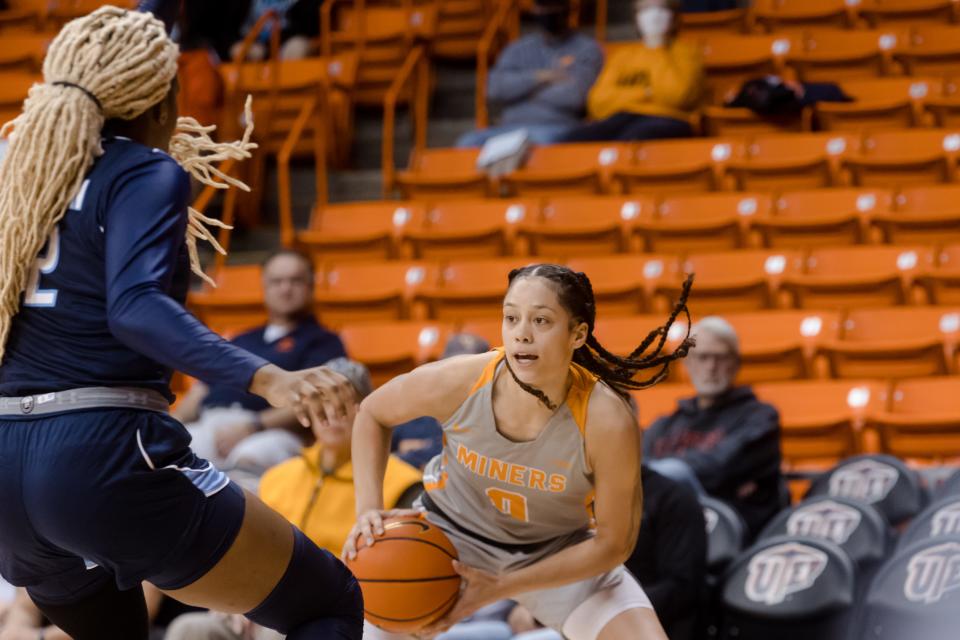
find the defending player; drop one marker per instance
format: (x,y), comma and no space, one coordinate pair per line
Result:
(99,488)
(540,445)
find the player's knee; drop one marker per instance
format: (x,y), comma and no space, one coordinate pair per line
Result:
(316,586)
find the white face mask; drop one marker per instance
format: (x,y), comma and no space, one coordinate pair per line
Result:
(654,22)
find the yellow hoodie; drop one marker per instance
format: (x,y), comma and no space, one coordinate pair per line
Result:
(324,506)
(666,82)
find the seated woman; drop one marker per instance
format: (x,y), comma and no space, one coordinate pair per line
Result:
(647,89)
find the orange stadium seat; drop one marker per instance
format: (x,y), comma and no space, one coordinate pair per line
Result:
(942,282)
(902,342)
(24,51)
(710,23)
(745,280)
(677,166)
(562,169)
(443,173)
(22,16)
(740,121)
(355,292)
(927,215)
(620,335)
(660,400)
(383,37)
(471,289)
(793,161)
(391,348)
(944,110)
(623,285)
(908,12)
(855,277)
(707,222)
(922,420)
(360,230)
(14,86)
(730,60)
(933,50)
(782,345)
(584,225)
(235,304)
(882,103)
(821,420)
(469,228)
(891,159)
(833,55)
(778,15)
(822,217)
(460,26)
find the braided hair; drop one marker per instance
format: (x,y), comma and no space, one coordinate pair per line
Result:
(575,294)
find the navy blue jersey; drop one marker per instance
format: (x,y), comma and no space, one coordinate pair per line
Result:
(308,345)
(104,303)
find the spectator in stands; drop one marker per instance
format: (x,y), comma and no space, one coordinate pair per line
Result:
(300,23)
(723,442)
(219,418)
(315,492)
(648,89)
(670,559)
(540,82)
(418,441)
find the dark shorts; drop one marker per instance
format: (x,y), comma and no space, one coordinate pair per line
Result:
(105,495)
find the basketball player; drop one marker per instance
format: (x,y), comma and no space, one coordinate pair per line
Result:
(99,488)
(538,485)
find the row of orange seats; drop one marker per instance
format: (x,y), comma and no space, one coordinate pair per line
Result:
(603,225)
(25,16)
(824,421)
(888,158)
(777,15)
(824,278)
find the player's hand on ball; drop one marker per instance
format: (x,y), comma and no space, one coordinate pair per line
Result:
(482,588)
(317,396)
(370,525)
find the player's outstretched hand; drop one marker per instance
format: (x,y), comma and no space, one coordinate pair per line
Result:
(317,396)
(482,588)
(369,525)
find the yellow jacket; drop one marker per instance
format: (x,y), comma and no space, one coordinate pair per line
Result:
(324,506)
(666,82)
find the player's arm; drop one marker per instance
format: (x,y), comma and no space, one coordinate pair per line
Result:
(436,390)
(614,453)
(145,225)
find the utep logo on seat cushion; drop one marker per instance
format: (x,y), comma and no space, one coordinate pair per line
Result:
(866,480)
(779,571)
(946,520)
(711,518)
(828,520)
(932,573)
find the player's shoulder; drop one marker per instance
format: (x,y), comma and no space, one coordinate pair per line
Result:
(125,158)
(608,411)
(465,370)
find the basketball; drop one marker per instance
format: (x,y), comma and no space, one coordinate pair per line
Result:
(407,576)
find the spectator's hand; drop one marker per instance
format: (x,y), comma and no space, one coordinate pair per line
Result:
(482,588)
(551,76)
(228,436)
(369,525)
(317,396)
(521,620)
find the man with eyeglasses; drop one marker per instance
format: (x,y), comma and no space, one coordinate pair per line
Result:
(723,442)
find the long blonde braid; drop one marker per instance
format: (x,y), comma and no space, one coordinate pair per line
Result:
(110,64)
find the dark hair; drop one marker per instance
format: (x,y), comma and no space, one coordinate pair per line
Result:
(575,294)
(296,253)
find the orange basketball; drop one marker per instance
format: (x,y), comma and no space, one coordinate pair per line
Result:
(407,576)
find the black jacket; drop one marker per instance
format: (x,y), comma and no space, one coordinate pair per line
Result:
(733,447)
(671,554)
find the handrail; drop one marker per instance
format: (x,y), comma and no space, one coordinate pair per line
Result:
(232,105)
(414,68)
(326,26)
(310,109)
(501,21)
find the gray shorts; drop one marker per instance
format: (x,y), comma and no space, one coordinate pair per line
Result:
(603,596)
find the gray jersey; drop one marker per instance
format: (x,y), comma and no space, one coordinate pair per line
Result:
(515,492)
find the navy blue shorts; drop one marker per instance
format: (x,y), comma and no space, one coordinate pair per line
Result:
(108,494)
